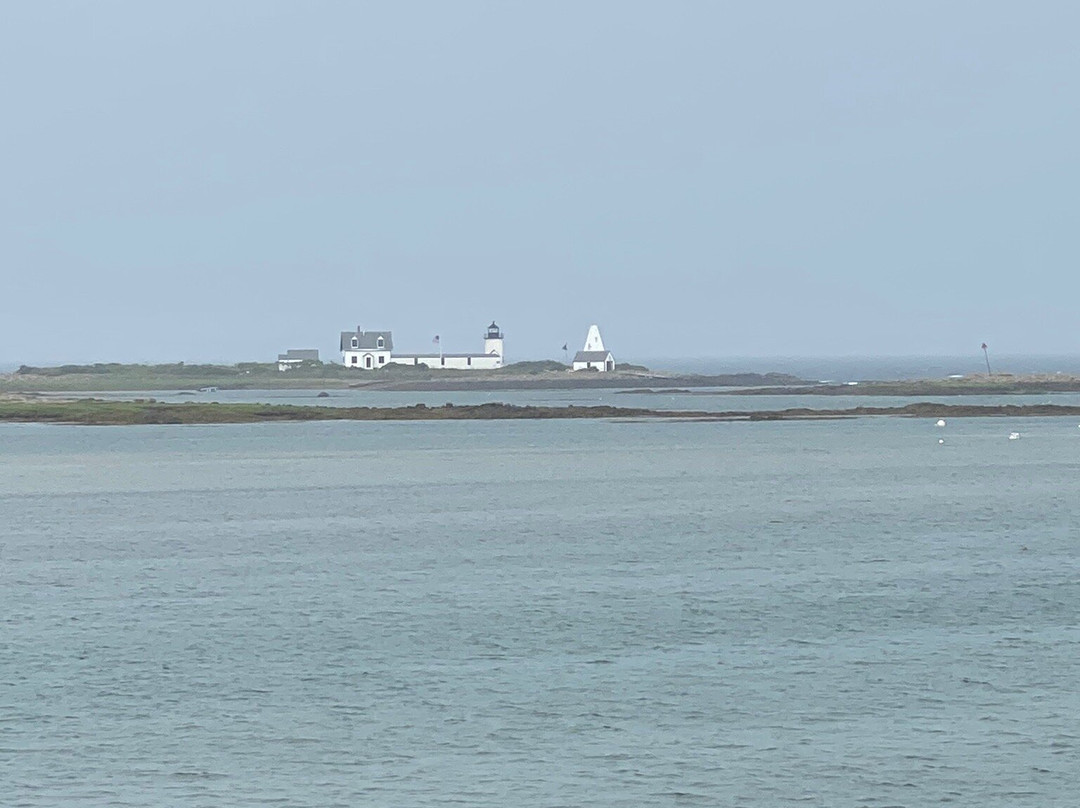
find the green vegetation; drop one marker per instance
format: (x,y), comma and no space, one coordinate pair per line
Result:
(245,375)
(178,376)
(181,376)
(91,411)
(265,375)
(533,368)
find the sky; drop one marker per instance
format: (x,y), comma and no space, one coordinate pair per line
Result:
(222,181)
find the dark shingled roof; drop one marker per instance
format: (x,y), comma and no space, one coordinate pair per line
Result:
(592,356)
(366,340)
(305,354)
(446,355)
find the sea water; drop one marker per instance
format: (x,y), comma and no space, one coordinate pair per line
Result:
(542,613)
(703,399)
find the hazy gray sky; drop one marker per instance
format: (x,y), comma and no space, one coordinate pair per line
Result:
(225,180)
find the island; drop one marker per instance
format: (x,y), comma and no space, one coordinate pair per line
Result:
(542,375)
(97,412)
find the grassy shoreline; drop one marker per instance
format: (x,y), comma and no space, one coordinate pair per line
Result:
(95,412)
(261,376)
(76,379)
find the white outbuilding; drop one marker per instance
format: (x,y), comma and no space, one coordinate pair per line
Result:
(594,356)
(293,358)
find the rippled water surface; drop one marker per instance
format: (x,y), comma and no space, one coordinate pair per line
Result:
(541,614)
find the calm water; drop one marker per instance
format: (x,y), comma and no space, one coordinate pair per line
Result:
(849,368)
(711,400)
(541,614)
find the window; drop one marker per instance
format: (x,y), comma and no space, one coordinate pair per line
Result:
(355,342)
(442,360)
(382,360)
(469,361)
(380,342)
(355,358)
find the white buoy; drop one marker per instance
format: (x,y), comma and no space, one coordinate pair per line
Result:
(940,441)
(1014,436)
(941,422)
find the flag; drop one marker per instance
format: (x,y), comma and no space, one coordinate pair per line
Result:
(436,340)
(564,346)
(984,346)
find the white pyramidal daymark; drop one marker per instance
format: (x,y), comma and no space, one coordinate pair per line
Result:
(593,342)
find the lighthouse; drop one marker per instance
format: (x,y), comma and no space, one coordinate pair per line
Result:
(493,341)
(371,350)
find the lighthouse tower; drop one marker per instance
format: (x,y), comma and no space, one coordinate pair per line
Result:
(493,341)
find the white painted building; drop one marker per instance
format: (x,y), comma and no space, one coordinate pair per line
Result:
(594,356)
(366,350)
(370,350)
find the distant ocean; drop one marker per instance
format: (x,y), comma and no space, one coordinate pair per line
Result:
(854,368)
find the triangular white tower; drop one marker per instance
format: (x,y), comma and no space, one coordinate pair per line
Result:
(593,341)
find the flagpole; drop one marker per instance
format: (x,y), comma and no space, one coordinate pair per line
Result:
(986,354)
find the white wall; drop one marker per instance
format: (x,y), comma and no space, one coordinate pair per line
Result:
(489,362)
(453,362)
(593,340)
(359,354)
(601,366)
(494,346)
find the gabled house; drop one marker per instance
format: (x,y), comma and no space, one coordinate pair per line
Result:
(366,350)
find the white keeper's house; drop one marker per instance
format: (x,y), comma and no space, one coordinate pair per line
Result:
(370,350)
(594,356)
